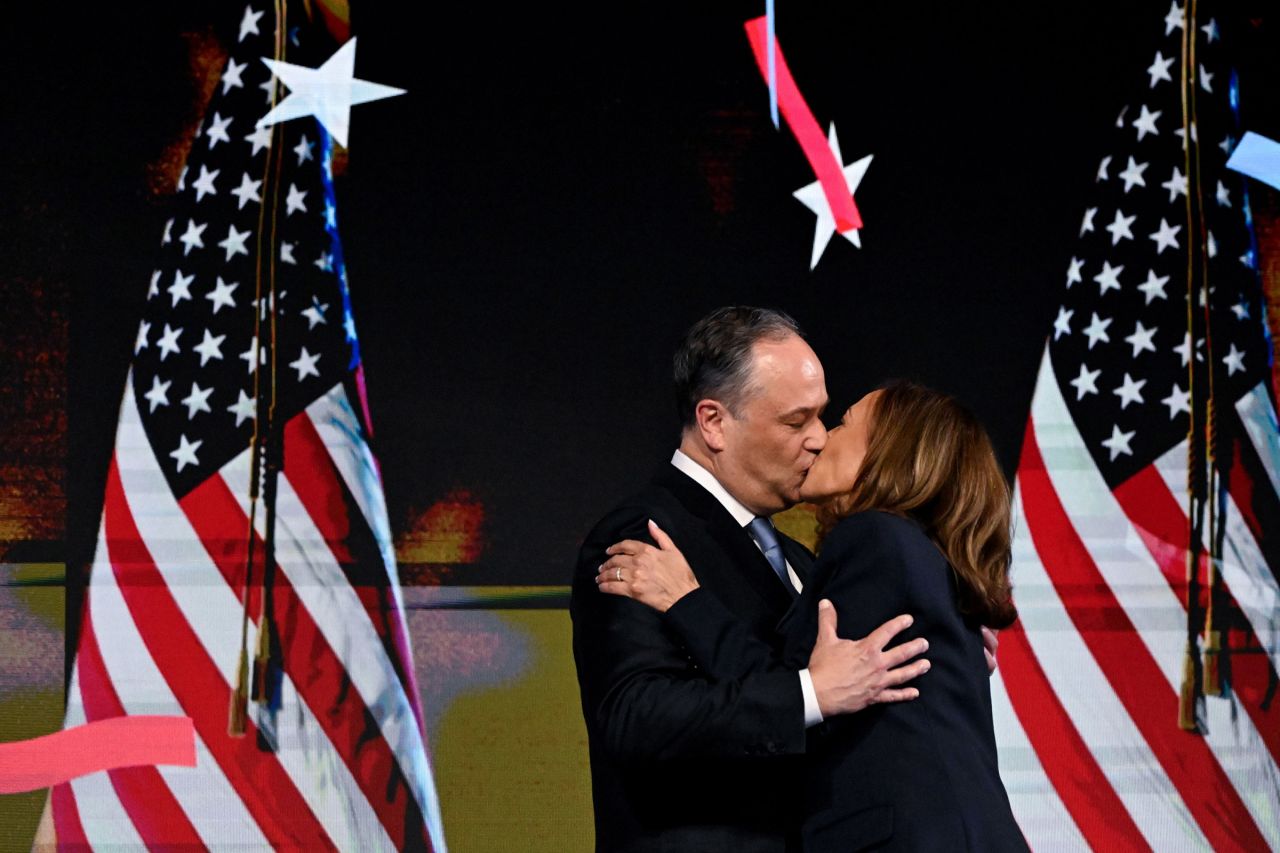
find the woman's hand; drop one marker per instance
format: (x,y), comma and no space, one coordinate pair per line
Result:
(658,577)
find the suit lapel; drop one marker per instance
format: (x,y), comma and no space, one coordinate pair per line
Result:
(750,564)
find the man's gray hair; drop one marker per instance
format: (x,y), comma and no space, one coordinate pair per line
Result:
(714,361)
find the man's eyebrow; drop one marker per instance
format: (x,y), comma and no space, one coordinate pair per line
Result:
(801,410)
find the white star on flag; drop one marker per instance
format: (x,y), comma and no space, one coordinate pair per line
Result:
(221,294)
(296,200)
(197,400)
(1234,361)
(242,408)
(1086,382)
(1159,69)
(1062,325)
(1109,278)
(1141,339)
(231,76)
(1097,330)
(1176,185)
(210,347)
(305,364)
(192,238)
(168,342)
(1119,227)
(1130,391)
(186,453)
(1154,286)
(1177,401)
(181,287)
(204,184)
(327,92)
(1146,122)
(813,197)
(1087,223)
(1133,175)
(1166,237)
(159,393)
(249,190)
(234,242)
(1119,442)
(1073,272)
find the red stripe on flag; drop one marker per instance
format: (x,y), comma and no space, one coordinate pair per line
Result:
(67,827)
(320,487)
(805,128)
(1161,524)
(1148,502)
(265,787)
(145,795)
(1077,778)
(1123,658)
(311,663)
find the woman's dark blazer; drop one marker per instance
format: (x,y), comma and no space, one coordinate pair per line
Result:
(911,776)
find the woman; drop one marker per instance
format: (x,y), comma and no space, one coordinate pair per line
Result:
(914,517)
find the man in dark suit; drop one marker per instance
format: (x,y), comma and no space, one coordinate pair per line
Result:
(679,760)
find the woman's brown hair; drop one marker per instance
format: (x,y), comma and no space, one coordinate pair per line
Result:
(929,458)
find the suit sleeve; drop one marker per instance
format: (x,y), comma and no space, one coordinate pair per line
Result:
(863,570)
(656,690)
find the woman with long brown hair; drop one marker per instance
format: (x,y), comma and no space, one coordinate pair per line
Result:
(914,517)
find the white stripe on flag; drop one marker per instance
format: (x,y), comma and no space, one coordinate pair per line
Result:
(318,579)
(1143,592)
(214,613)
(208,799)
(1041,814)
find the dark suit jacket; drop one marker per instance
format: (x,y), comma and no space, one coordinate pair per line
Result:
(921,775)
(681,760)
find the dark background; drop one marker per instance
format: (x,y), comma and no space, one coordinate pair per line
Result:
(565,189)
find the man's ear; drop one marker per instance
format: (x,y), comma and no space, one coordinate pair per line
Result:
(710,416)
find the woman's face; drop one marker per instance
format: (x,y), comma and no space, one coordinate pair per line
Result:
(836,468)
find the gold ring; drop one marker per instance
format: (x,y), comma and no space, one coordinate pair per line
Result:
(617,571)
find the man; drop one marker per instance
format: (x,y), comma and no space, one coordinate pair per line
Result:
(681,761)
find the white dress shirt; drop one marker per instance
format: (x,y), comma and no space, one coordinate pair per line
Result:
(744,516)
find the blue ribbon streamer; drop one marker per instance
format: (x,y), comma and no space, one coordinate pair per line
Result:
(773,74)
(1258,157)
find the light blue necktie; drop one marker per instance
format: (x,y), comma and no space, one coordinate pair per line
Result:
(761,530)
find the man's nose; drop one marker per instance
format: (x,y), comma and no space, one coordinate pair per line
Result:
(817,438)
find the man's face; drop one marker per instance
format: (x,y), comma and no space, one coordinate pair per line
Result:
(770,444)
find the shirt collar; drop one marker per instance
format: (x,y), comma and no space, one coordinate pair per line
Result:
(708,481)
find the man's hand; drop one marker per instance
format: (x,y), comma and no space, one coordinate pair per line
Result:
(849,675)
(990,642)
(658,577)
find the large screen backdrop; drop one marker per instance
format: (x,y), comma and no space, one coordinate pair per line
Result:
(527,234)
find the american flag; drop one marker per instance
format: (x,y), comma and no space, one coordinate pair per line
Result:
(1135,701)
(242,434)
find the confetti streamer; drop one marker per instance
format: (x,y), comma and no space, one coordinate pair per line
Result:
(805,129)
(28,765)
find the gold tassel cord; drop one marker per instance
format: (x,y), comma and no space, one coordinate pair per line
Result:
(1210,681)
(1188,693)
(238,712)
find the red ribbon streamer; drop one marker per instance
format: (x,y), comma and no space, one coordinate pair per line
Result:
(28,765)
(805,128)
